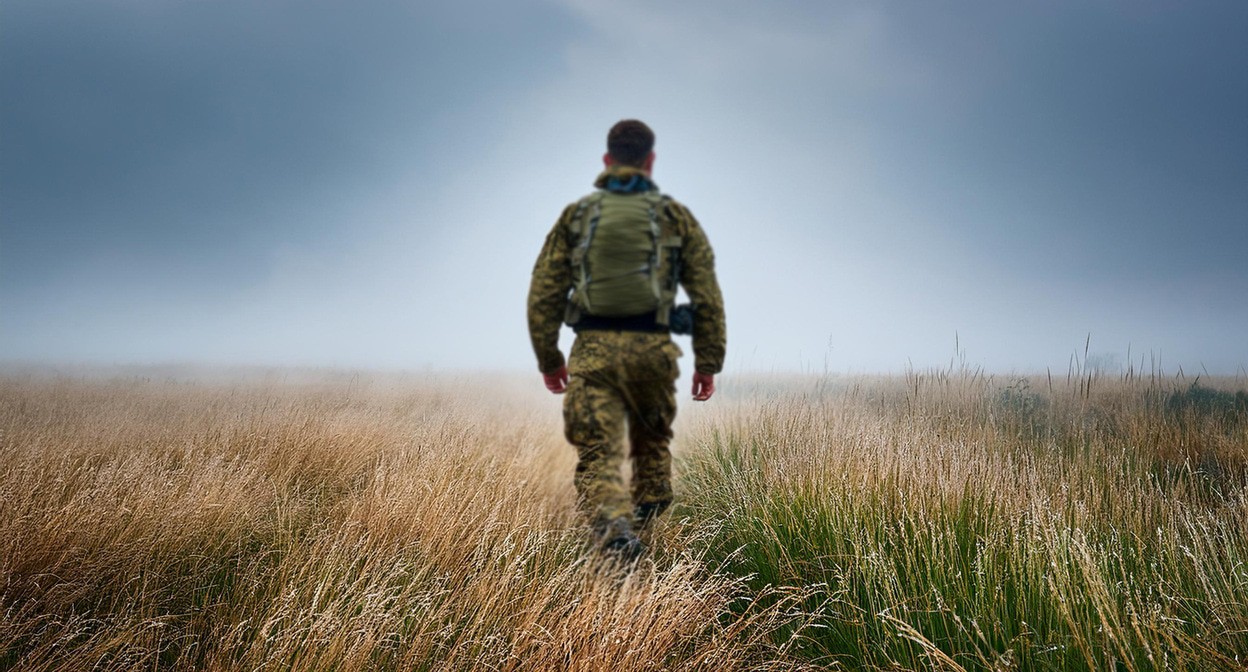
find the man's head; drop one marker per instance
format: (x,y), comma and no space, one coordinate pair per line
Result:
(630,143)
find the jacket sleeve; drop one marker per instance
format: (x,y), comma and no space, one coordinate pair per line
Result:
(548,294)
(697,276)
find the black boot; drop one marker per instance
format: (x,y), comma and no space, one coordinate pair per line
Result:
(616,539)
(644,514)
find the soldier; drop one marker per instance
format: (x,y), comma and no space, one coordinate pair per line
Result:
(610,269)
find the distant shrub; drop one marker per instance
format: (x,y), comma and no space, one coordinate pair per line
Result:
(1022,409)
(1200,401)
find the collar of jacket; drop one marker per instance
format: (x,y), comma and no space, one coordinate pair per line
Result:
(625,180)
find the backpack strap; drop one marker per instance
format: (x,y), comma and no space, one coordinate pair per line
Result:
(584,224)
(666,254)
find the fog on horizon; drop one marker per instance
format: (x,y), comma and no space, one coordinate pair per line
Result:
(311,184)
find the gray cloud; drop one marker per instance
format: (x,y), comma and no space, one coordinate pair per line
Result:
(214,131)
(312,184)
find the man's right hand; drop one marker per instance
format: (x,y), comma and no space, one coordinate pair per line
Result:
(557,382)
(703,386)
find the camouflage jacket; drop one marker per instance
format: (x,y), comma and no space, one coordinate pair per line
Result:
(552,282)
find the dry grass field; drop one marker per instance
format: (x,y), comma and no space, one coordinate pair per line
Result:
(334,521)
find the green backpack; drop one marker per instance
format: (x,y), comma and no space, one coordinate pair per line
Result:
(624,263)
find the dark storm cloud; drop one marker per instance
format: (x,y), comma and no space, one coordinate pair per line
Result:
(195,136)
(1106,141)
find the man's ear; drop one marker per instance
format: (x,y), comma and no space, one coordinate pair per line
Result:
(607,160)
(648,166)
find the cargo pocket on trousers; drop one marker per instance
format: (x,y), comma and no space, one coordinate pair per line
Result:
(673,353)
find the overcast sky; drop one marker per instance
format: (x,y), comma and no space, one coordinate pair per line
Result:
(368,183)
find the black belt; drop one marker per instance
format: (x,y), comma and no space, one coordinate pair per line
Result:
(644,323)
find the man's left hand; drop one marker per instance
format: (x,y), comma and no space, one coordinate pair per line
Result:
(557,382)
(703,386)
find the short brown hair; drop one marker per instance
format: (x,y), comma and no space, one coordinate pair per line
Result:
(629,142)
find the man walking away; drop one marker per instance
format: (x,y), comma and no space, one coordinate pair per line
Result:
(610,268)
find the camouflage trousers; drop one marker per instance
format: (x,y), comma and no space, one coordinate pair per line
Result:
(621,379)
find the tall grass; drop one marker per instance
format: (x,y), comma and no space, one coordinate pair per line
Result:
(331,524)
(957,521)
(941,520)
